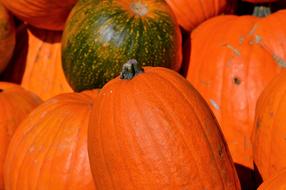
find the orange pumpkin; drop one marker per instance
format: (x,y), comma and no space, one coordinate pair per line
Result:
(154,131)
(277,182)
(16,103)
(269,132)
(39,69)
(7,37)
(231,67)
(46,14)
(191,13)
(49,149)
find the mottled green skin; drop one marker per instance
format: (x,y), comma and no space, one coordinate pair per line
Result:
(100,37)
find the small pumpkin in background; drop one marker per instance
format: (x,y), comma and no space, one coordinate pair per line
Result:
(49,149)
(37,65)
(46,14)
(269,143)
(231,67)
(152,130)
(191,13)
(16,103)
(100,36)
(277,182)
(7,37)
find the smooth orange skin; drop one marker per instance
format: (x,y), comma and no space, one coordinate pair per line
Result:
(191,13)
(269,132)
(231,66)
(16,103)
(277,182)
(7,37)
(49,149)
(43,73)
(156,132)
(46,14)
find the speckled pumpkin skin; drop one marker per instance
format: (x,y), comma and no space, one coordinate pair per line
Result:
(102,35)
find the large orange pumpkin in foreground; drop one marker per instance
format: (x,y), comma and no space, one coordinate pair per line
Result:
(154,131)
(46,14)
(277,182)
(191,13)
(231,67)
(269,144)
(16,103)
(7,37)
(49,149)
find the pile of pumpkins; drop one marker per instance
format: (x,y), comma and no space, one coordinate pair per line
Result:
(142,94)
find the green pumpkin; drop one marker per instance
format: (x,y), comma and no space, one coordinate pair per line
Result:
(100,36)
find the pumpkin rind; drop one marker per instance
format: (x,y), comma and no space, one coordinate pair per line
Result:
(46,14)
(49,149)
(269,132)
(16,104)
(7,37)
(191,13)
(100,36)
(156,132)
(277,182)
(38,66)
(231,67)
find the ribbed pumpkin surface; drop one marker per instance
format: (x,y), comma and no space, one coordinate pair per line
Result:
(277,182)
(100,36)
(231,67)
(43,71)
(269,144)
(156,132)
(47,14)
(191,13)
(49,149)
(16,103)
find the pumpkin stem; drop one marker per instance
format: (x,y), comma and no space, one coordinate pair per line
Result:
(261,11)
(130,69)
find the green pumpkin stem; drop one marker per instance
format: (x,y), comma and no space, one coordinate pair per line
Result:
(261,11)
(130,69)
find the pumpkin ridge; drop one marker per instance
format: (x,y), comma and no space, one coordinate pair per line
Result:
(173,119)
(200,121)
(107,169)
(76,147)
(272,131)
(23,156)
(147,124)
(48,149)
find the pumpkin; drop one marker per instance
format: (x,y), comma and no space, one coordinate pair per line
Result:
(152,130)
(231,67)
(191,13)
(46,14)
(7,37)
(102,35)
(41,66)
(277,182)
(269,132)
(49,149)
(16,104)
